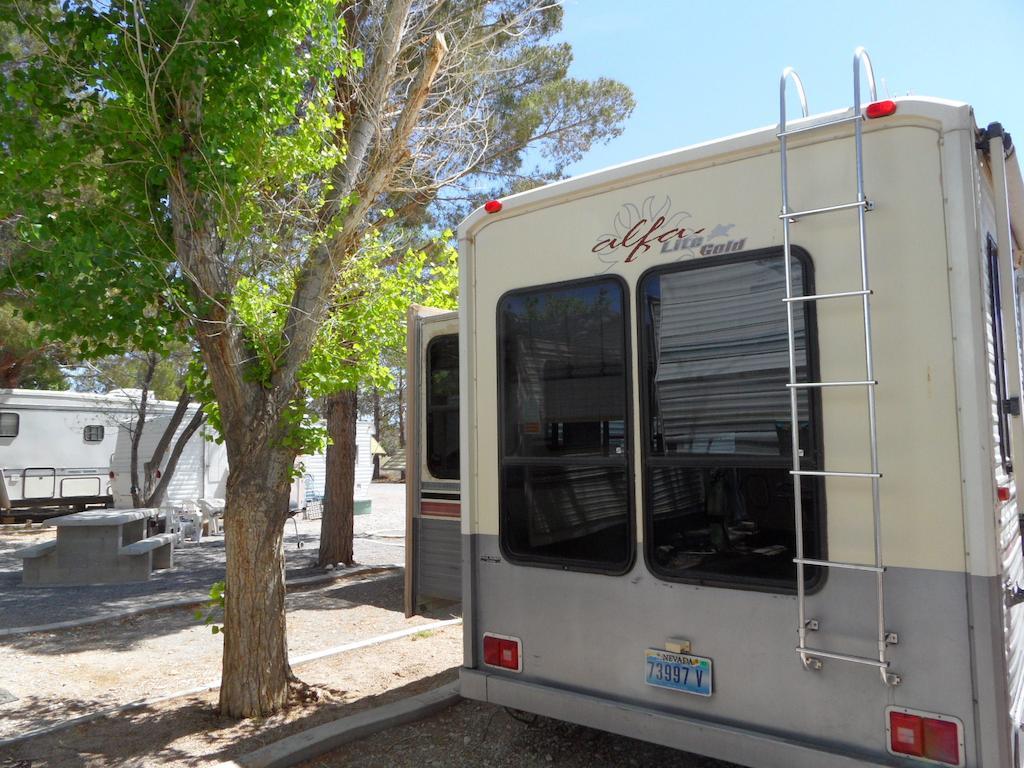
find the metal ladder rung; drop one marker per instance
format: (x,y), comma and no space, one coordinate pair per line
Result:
(842,657)
(817,296)
(812,657)
(823,473)
(819,384)
(838,564)
(816,126)
(794,215)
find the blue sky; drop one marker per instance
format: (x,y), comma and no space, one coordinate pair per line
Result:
(708,68)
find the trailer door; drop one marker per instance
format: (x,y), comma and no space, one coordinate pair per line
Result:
(433,499)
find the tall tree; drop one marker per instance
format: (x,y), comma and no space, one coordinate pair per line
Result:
(173,160)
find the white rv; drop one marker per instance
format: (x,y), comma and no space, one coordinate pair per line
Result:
(433,510)
(72,450)
(55,448)
(738,431)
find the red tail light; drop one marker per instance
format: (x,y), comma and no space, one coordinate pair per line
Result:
(503,652)
(933,737)
(880,109)
(1003,493)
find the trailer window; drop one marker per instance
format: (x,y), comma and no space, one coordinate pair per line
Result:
(9,424)
(714,369)
(997,355)
(93,433)
(442,409)
(564,496)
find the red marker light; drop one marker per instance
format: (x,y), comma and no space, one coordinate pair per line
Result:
(492,206)
(1003,493)
(934,737)
(880,109)
(504,652)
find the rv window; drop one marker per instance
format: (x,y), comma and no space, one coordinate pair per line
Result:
(564,494)
(442,409)
(9,424)
(714,367)
(94,433)
(997,355)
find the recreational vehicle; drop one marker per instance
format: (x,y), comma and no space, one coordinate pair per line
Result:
(55,448)
(72,450)
(433,512)
(739,425)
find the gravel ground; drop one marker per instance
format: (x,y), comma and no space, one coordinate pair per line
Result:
(57,675)
(476,734)
(379,540)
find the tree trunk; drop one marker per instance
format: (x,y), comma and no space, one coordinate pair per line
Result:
(338,523)
(156,497)
(152,466)
(255,665)
(140,423)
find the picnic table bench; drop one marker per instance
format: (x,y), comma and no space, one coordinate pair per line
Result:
(97,547)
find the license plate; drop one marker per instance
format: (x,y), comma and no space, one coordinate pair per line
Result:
(678,671)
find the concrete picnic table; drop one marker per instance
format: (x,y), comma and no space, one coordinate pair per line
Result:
(99,546)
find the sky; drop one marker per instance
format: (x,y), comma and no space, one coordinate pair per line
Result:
(704,69)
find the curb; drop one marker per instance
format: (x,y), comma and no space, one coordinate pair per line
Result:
(187,601)
(323,738)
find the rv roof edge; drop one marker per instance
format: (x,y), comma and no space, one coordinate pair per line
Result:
(947,114)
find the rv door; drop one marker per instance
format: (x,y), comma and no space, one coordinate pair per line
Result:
(433,502)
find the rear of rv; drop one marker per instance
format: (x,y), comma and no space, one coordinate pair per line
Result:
(629,536)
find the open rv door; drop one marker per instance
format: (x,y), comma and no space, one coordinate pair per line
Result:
(432,488)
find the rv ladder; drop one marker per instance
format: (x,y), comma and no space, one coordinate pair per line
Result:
(812,657)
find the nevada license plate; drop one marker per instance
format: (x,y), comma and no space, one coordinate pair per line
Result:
(678,671)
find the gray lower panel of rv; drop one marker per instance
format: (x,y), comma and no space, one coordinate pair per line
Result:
(585,635)
(438,559)
(718,740)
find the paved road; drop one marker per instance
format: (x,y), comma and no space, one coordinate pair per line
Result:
(379,540)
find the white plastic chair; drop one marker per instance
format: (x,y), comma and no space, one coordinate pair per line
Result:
(172,522)
(191,521)
(212,514)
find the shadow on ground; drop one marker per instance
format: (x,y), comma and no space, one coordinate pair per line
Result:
(189,731)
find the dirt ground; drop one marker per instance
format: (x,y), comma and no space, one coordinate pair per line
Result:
(475,734)
(60,675)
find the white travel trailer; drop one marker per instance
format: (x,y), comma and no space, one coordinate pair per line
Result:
(315,469)
(432,493)
(72,450)
(741,482)
(55,448)
(201,471)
